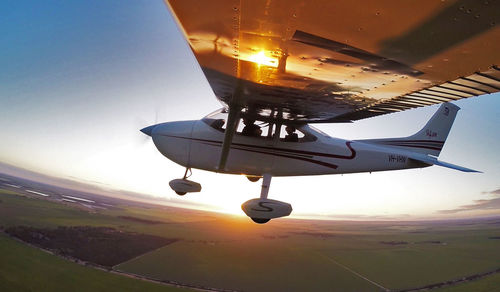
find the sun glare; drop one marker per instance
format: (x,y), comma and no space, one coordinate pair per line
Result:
(262,59)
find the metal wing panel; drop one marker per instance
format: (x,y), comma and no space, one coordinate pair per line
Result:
(464,87)
(333,61)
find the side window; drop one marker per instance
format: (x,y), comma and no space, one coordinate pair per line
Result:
(251,128)
(292,134)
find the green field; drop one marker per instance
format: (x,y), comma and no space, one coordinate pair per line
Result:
(487,284)
(230,252)
(24,268)
(323,264)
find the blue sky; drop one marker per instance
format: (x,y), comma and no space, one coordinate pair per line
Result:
(78,79)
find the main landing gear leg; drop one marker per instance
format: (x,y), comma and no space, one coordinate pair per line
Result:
(264,191)
(266,184)
(184,186)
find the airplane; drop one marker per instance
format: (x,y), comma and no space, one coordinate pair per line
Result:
(280,66)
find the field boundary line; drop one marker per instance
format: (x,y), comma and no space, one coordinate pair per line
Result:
(141,255)
(451,283)
(354,272)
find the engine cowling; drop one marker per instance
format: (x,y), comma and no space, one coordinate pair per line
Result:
(266,208)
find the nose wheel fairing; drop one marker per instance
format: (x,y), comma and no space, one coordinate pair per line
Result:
(183,186)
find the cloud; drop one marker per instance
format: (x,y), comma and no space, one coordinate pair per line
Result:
(479,205)
(495,192)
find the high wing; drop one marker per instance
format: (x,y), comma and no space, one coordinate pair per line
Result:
(340,61)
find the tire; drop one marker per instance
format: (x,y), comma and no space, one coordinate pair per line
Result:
(260,220)
(253,178)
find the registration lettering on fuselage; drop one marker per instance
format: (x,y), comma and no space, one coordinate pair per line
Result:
(394,158)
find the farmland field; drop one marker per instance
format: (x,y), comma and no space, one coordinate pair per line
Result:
(230,252)
(24,268)
(487,284)
(332,260)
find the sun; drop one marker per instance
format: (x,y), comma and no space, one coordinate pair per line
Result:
(261,58)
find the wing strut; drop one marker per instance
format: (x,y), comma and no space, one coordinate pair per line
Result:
(233,120)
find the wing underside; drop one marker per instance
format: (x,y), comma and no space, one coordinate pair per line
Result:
(340,61)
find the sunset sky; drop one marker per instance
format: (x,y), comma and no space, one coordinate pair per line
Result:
(78,79)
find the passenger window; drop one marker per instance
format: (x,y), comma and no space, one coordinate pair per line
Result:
(293,135)
(290,134)
(251,128)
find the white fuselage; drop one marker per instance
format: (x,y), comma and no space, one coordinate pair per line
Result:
(195,144)
(257,152)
